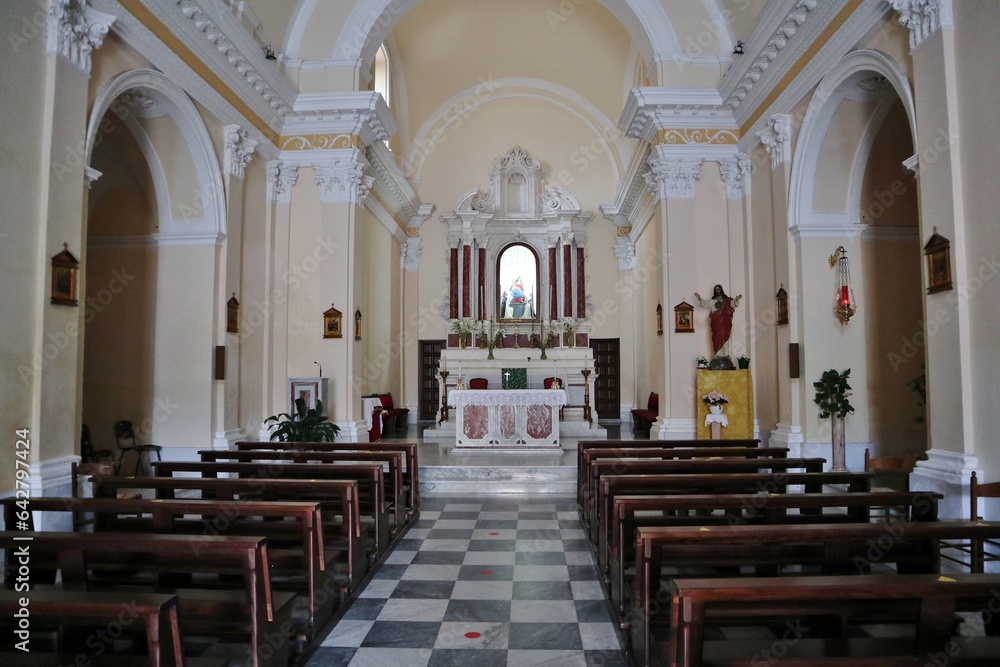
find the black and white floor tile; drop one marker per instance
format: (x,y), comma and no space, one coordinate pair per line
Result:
(501,580)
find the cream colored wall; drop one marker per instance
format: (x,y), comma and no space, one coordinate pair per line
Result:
(256,301)
(323,28)
(978,82)
(122,165)
(742,15)
(20,184)
(380,319)
(443,51)
(183,348)
(307,298)
(889,190)
(833,172)
(769,348)
(187,194)
(830,344)
(646,352)
(556,139)
(120,320)
(114,57)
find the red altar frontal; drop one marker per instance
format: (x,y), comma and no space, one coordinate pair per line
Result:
(507,418)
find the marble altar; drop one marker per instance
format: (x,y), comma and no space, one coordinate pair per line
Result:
(507,418)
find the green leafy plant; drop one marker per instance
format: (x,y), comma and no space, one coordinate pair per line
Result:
(831,394)
(306,425)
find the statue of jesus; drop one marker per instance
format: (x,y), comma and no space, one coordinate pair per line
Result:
(721,308)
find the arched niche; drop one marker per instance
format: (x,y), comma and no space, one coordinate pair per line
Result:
(518,280)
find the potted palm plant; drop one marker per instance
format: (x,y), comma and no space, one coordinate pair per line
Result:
(831,397)
(306,425)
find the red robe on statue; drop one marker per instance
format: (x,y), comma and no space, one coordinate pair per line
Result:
(721,321)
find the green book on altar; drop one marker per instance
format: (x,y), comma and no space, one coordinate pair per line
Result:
(515,378)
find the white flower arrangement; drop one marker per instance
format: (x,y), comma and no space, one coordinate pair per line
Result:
(715,398)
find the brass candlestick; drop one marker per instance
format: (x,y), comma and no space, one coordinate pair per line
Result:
(586,398)
(517,336)
(444,397)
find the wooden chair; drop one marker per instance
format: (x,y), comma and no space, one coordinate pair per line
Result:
(125,437)
(892,473)
(87,451)
(974,554)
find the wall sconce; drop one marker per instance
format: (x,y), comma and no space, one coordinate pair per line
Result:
(64,269)
(738,49)
(938,253)
(332,320)
(659,320)
(845,305)
(233,315)
(781,305)
(357,324)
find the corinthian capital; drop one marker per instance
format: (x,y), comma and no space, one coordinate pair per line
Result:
(673,178)
(777,139)
(280,179)
(75,30)
(239,150)
(342,181)
(735,173)
(923,18)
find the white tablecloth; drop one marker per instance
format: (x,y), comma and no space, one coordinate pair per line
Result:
(367,406)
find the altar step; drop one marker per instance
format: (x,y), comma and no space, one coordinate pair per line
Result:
(498,479)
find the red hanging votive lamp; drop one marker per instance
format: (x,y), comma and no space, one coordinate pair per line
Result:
(845,305)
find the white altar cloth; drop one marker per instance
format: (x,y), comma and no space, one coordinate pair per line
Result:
(507,417)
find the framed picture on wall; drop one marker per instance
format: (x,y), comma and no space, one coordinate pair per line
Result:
(64,269)
(333,323)
(938,254)
(683,317)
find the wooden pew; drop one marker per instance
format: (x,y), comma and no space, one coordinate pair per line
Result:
(587,456)
(370,478)
(735,510)
(394,485)
(584,445)
(612,486)
(612,467)
(156,613)
(253,610)
(835,549)
(296,526)
(411,452)
(927,602)
(342,527)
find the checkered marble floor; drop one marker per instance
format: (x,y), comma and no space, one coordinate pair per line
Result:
(499,580)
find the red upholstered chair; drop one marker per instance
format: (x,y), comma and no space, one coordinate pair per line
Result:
(547,383)
(479,383)
(392,417)
(642,420)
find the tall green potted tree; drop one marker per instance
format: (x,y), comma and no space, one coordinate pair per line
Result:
(306,425)
(831,397)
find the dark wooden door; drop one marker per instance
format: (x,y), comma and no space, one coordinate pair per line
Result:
(430,355)
(607,392)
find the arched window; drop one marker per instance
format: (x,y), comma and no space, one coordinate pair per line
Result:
(381,78)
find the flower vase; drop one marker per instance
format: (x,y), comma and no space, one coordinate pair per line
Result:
(491,353)
(463,340)
(543,354)
(569,340)
(839,428)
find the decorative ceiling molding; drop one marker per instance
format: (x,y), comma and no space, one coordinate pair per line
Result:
(777,139)
(735,174)
(686,136)
(673,178)
(395,192)
(775,44)
(649,110)
(215,36)
(361,113)
(627,211)
(341,178)
(168,53)
(281,177)
(923,18)
(318,141)
(75,30)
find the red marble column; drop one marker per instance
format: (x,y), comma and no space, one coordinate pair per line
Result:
(553,286)
(567,280)
(466,279)
(581,294)
(453,286)
(481,287)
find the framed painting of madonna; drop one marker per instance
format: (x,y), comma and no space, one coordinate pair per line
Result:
(517,284)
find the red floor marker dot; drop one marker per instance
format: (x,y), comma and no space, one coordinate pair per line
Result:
(472,635)
(486,573)
(494,533)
